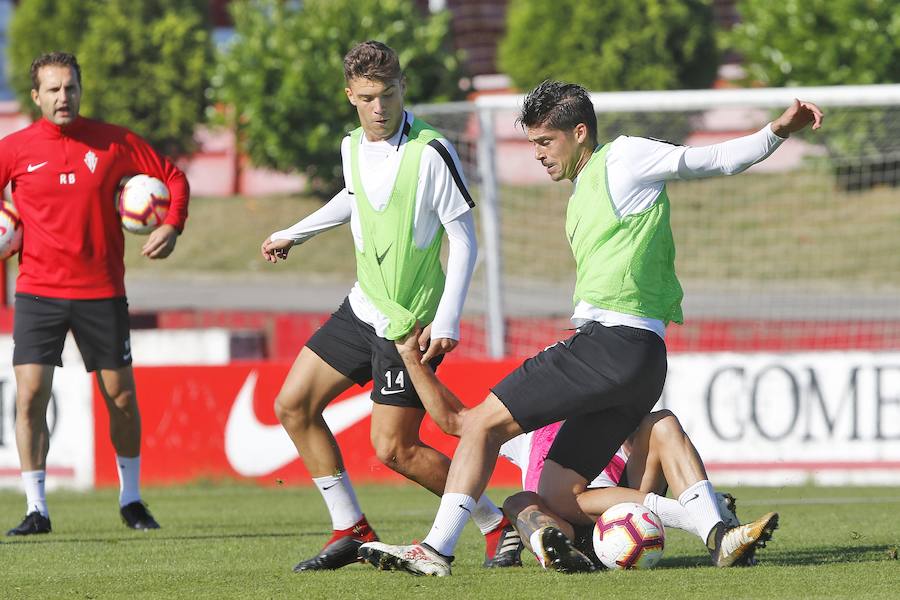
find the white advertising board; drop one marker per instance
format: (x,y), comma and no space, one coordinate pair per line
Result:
(781,418)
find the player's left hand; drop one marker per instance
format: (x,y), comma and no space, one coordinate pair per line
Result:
(161,242)
(797,116)
(436,347)
(409,345)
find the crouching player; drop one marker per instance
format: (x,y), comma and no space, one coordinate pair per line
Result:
(558,503)
(657,456)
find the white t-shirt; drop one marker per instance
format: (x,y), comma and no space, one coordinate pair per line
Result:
(638,168)
(442,198)
(522,452)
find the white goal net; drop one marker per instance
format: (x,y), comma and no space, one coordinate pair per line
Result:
(801,252)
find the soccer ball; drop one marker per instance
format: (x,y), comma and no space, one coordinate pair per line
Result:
(629,536)
(10,230)
(143,203)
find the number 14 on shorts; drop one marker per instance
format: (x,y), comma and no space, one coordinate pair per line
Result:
(395,385)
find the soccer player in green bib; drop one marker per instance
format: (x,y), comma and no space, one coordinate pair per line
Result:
(608,376)
(403,189)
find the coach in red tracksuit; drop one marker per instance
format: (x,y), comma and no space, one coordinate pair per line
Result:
(65,170)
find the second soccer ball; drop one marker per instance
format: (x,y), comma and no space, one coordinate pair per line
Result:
(143,203)
(629,536)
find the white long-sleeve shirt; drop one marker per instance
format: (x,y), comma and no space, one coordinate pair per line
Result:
(638,168)
(441,199)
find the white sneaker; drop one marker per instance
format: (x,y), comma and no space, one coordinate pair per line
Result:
(737,546)
(727,509)
(416,559)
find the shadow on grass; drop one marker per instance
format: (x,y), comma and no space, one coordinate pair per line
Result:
(808,556)
(152,537)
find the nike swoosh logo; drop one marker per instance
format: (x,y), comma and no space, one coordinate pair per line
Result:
(387,392)
(32,168)
(694,497)
(380,258)
(254,449)
(574,229)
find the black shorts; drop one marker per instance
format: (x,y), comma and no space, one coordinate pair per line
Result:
(101,329)
(352,347)
(602,381)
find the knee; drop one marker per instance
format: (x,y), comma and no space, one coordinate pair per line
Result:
(475,423)
(30,407)
(393,453)
(294,409)
(515,504)
(666,427)
(124,400)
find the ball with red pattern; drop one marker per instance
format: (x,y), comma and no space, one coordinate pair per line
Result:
(143,203)
(10,231)
(629,536)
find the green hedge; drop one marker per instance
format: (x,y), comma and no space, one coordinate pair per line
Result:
(145,63)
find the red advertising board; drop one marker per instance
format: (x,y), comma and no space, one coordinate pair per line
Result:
(215,422)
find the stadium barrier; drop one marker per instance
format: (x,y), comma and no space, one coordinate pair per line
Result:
(763,418)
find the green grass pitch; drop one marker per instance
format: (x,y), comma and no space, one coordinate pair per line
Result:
(240,541)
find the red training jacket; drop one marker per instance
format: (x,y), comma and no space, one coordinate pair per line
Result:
(64,182)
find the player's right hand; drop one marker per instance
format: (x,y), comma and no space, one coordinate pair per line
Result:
(274,250)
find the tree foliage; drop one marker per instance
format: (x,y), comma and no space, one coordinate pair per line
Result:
(819,42)
(145,63)
(831,42)
(606,46)
(281,78)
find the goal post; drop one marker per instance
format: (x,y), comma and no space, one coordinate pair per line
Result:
(799,252)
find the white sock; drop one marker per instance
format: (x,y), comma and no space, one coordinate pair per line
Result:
(340,499)
(129,479)
(449,522)
(486,515)
(699,501)
(670,512)
(35,496)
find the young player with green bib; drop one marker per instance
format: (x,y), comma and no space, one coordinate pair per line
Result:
(404,189)
(608,376)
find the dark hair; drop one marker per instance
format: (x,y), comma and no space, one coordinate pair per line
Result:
(372,60)
(559,105)
(57,59)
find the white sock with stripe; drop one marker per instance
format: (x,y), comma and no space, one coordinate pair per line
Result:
(35,493)
(129,479)
(340,499)
(699,500)
(454,511)
(486,515)
(670,512)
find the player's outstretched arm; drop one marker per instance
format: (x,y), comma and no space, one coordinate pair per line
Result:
(334,213)
(445,408)
(797,116)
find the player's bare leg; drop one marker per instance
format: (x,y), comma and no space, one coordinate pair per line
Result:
(120,396)
(395,438)
(484,429)
(118,391)
(33,385)
(503,548)
(309,387)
